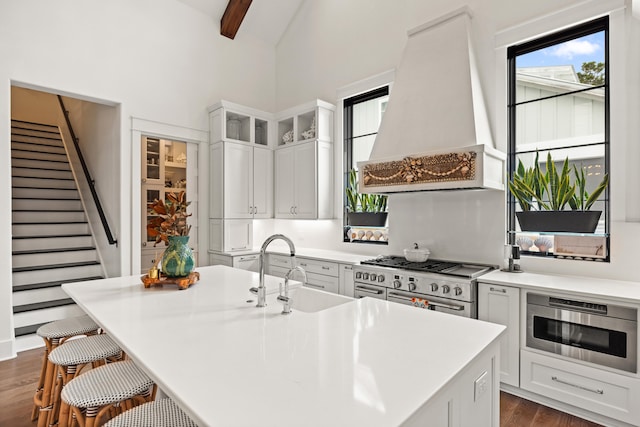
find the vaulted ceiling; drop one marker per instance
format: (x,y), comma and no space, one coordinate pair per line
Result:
(265,19)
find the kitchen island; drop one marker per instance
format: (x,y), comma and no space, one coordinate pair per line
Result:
(363,362)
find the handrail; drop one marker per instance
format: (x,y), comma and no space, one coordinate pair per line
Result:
(110,237)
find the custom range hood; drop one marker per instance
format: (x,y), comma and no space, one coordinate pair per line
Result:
(435,133)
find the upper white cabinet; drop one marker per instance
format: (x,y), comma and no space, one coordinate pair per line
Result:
(234,122)
(501,304)
(241,184)
(303,162)
(241,181)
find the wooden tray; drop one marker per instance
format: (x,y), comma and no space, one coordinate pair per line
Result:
(182,282)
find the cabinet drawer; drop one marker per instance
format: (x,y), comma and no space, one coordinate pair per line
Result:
(318,267)
(322,282)
(285,261)
(596,390)
(220,260)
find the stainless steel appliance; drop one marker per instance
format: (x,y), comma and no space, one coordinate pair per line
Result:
(605,334)
(446,286)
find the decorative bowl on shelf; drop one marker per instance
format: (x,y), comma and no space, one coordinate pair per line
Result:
(416,254)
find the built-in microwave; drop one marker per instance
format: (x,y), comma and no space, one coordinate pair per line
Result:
(604,334)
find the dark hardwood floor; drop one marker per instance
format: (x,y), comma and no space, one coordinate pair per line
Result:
(18,378)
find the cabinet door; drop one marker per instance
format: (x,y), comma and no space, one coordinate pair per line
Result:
(501,305)
(346,280)
(152,161)
(305,206)
(238,235)
(247,262)
(149,194)
(284,182)
(238,180)
(262,183)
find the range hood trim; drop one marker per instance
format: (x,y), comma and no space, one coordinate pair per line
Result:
(490,173)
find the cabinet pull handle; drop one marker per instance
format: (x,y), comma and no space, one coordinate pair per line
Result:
(241,247)
(303,264)
(325,268)
(492,289)
(314,285)
(291,210)
(581,387)
(295,210)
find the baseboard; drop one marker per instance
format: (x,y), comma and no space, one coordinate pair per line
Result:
(560,406)
(7,350)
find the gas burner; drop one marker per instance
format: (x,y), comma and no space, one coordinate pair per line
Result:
(400,262)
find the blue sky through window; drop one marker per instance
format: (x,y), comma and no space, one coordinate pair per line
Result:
(574,52)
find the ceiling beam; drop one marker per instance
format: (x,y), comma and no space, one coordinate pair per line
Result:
(233,16)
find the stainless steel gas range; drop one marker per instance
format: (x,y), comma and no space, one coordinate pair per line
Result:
(446,286)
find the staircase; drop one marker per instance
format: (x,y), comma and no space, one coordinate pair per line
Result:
(52,242)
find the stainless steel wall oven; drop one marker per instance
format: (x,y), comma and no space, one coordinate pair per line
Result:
(604,334)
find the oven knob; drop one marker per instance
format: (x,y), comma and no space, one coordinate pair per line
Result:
(445,289)
(365,276)
(397,284)
(412,286)
(380,278)
(457,290)
(358,275)
(434,287)
(373,277)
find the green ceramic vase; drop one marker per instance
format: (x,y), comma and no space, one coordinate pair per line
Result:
(177,260)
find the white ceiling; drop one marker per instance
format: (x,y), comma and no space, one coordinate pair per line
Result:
(266,19)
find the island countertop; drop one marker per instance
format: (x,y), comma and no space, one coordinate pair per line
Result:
(228,363)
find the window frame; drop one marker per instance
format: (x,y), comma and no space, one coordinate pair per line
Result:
(554,39)
(348,137)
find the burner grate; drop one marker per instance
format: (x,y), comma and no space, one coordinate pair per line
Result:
(400,262)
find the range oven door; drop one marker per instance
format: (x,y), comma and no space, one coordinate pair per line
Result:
(459,308)
(584,331)
(366,290)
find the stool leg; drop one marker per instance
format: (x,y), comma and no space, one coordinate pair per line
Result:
(37,398)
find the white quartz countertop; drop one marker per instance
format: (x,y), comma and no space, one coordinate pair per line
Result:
(228,363)
(612,289)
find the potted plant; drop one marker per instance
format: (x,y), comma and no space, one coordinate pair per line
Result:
(364,209)
(543,198)
(170,226)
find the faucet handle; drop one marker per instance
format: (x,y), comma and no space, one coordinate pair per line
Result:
(254,290)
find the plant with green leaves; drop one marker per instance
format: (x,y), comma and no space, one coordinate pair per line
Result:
(582,200)
(553,190)
(359,202)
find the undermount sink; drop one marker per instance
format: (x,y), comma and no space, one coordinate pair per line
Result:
(311,300)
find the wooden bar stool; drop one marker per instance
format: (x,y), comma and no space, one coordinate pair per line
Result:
(70,359)
(55,333)
(106,391)
(159,413)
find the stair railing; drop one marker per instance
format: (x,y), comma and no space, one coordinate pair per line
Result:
(110,237)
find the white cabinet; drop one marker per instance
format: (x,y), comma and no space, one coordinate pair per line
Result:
(303,181)
(250,262)
(346,280)
(501,304)
(228,235)
(596,390)
(304,162)
(323,275)
(241,181)
(234,122)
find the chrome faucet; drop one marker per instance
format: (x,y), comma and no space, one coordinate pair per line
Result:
(261,290)
(284,299)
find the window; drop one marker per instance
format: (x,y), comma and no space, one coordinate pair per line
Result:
(559,114)
(362,117)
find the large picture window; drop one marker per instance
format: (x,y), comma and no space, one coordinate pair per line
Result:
(362,117)
(558,160)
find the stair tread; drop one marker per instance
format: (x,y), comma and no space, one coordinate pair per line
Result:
(36,136)
(42,305)
(47,210)
(41,177)
(46,188)
(55,266)
(55,132)
(57,236)
(56,250)
(50,223)
(44,285)
(27,330)
(33,123)
(42,198)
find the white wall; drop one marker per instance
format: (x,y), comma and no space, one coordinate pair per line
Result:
(333,43)
(159,60)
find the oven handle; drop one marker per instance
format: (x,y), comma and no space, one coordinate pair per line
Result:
(369,290)
(435,304)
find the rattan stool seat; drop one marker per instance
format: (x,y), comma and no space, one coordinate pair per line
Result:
(70,327)
(106,384)
(85,350)
(159,413)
